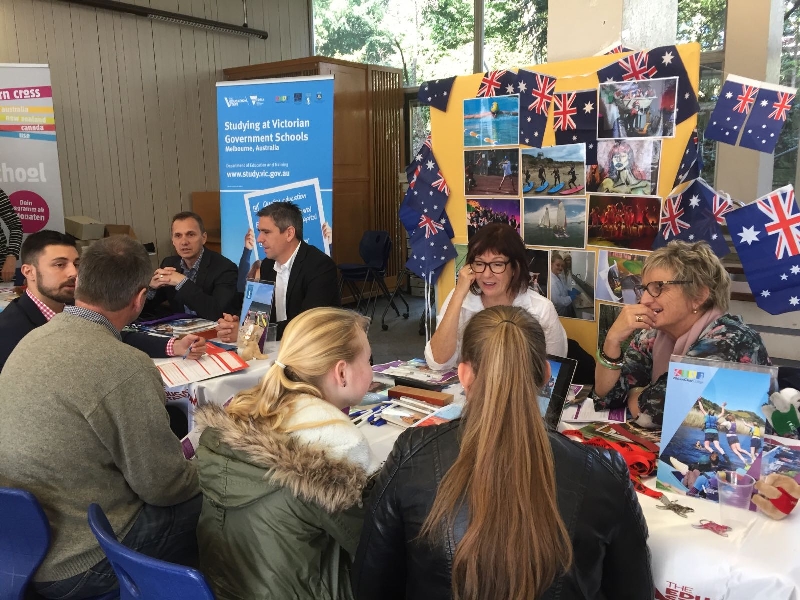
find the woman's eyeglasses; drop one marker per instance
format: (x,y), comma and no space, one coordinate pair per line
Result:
(654,288)
(496,267)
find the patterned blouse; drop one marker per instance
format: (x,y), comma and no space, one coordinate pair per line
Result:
(726,339)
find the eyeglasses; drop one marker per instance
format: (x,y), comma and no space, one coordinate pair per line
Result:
(654,288)
(496,267)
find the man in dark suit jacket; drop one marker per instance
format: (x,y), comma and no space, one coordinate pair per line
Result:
(197,280)
(304,276)
(50,265)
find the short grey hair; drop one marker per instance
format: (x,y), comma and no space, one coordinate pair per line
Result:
(112,271)
(696,263)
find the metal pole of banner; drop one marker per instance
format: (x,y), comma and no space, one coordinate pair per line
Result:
(477,53)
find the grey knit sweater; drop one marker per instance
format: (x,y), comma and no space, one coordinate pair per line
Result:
(82,420)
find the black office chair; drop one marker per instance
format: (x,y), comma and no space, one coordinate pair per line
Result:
(374,249)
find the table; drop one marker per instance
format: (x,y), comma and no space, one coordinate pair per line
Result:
(759,562)
(219,389)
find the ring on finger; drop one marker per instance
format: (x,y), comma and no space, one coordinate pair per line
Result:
(639,318)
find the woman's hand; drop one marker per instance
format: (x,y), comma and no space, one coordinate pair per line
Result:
(9,268)
(466,277)
(249,239)
(632,317)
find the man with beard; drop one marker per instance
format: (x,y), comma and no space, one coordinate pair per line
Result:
(50,266)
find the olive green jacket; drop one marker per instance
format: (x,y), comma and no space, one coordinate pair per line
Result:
(281,518)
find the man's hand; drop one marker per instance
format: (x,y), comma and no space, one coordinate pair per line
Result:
(9,268)
(166,276)
(194,343)
(228,328)
(768,490)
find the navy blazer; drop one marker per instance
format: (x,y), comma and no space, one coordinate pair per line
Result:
(313,282)
(212,293)
(23,316)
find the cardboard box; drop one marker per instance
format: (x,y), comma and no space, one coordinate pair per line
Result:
(84,228)
(120,230)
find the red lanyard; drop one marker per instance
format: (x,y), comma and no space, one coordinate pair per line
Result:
(640,462)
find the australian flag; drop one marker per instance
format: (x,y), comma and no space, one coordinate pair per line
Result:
(497,83)
(691,161)
(767,118)
(422,213)
(736,100)
(436,93)
(617,49)
(535,98)
(766,235)
(696,214)
(664,61)
(575,121)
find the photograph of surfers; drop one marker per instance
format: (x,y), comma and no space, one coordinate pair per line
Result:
(559,222)
(714,436)
(554,170)
(492,121)
(623,221)
(482,212)
(627,167)
(618,274)
(636,109)
(491,172)
(572,283)
(538,268)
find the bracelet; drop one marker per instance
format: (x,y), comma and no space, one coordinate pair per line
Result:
(608,363)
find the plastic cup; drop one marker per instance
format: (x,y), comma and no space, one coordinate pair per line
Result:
(272,333)
(735,490)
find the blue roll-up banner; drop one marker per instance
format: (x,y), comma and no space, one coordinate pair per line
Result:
(275,144)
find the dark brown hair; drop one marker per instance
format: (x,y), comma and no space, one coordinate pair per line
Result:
(187,214)
(501,239)
(516,543)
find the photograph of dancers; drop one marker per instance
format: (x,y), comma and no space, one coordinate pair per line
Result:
(484,211)
(623,221)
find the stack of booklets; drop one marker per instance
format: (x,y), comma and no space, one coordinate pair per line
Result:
(177,371)
(416,373)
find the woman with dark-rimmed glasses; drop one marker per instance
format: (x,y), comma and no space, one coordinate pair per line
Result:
(683,310)
(495,273)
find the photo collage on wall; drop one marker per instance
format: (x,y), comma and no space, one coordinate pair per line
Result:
(588,212)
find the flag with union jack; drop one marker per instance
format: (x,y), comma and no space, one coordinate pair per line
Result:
(575,120)
(691,216)
(766,235)
(736,100)
(436,93)
(691,161)
(661,62)
(535,99)
(767,118)
(422,213)
(497,83)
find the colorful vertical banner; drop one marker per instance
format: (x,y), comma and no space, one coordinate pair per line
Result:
(275,145)
(29,171)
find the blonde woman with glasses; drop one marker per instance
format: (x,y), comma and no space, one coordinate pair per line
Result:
(683,310)
(282,468)
(491,506)
(495,273)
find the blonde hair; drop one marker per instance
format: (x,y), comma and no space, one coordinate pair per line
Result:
(516,543)
(698,264)
(312,344)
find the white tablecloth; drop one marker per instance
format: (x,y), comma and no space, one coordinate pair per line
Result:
(759,562)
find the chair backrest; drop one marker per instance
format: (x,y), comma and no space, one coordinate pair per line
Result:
(141,576)
(24,540)
(374,249)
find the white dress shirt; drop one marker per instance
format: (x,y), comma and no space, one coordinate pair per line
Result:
(536,304)
(282,284)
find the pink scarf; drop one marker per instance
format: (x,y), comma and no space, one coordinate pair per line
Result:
(665,345)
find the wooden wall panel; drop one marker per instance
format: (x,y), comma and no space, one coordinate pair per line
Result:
(135,103)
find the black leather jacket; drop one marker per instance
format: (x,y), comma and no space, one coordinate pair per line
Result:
(595,498)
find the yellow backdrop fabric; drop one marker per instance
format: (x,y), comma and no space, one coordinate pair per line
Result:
(448,147)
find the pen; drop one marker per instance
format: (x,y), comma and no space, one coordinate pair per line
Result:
(188,350)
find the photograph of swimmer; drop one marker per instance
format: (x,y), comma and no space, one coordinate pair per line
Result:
(491,172)
(492,121)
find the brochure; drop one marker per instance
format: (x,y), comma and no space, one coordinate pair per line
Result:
(258,297)
(713,422)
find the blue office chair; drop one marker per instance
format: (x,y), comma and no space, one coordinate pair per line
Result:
(374,249)
(24,540)
(141,576)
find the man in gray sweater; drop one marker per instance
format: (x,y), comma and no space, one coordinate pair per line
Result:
(82,420)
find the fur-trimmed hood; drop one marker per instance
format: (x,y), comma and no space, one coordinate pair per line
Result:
(326,465)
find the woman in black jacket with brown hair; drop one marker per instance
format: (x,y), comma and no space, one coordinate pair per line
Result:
(494,506)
